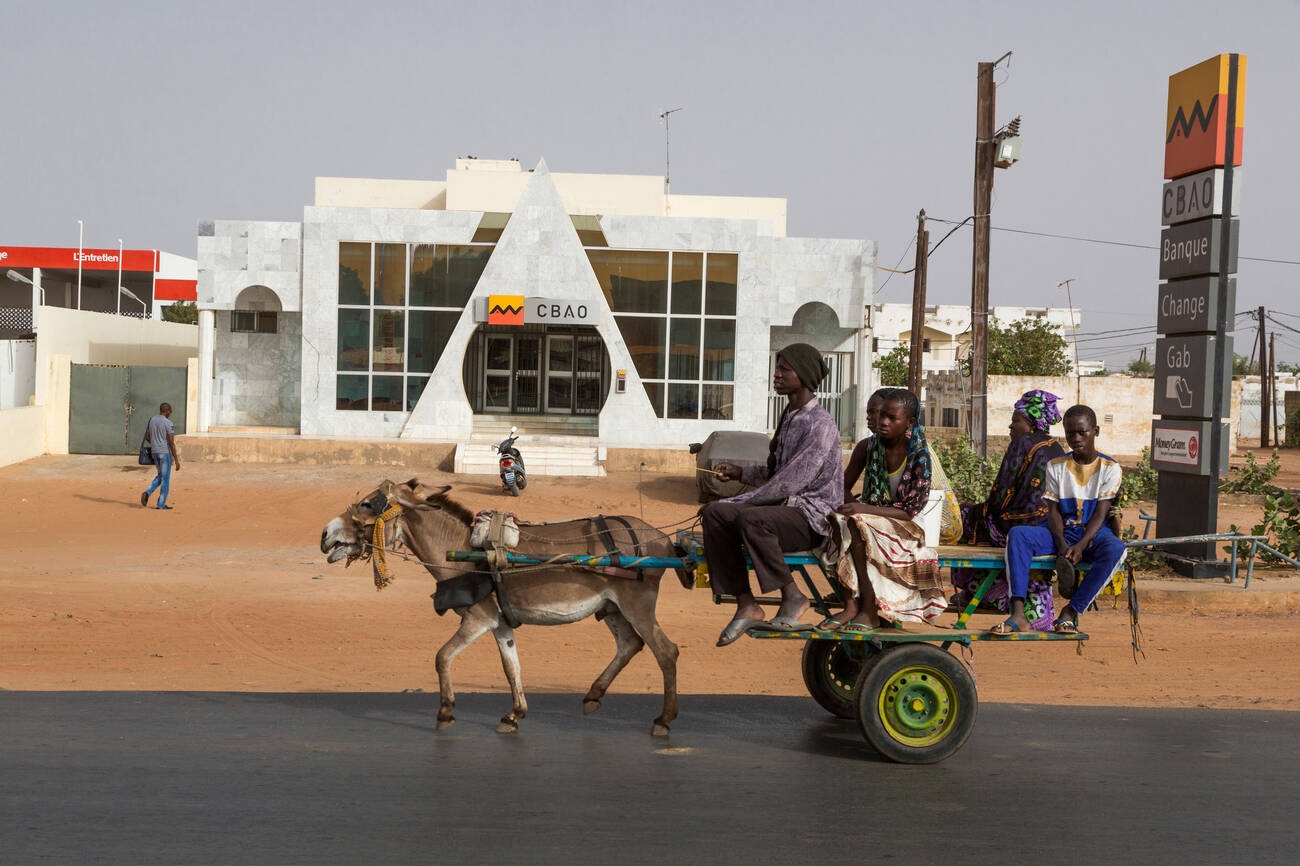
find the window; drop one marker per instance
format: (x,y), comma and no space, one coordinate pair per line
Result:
(398,304)
(677,314)
(253,322)
(950,418)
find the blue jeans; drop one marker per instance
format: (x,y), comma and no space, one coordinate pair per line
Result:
(1104,556)
(164,478)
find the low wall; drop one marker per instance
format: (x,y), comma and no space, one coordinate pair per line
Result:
(315,451)
(22,434)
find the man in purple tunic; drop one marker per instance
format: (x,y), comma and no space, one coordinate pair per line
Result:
(802,483)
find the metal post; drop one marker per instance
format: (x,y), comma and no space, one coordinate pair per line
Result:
(119,277)
(915,369)
(979,301)
(1263,383)
(80,246)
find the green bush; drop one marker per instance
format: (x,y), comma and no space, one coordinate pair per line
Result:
(1252,478)
(1140,482)
(1281,524)
(970,475)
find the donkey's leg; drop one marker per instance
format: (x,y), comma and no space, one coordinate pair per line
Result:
(471,629)
(639,608)
(627,644)
(505,636)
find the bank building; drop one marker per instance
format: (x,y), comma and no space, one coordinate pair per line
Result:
(578,305)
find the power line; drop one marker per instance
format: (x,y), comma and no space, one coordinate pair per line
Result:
(1105,242)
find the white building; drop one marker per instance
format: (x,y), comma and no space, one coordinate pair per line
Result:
(947,335)
(427,309)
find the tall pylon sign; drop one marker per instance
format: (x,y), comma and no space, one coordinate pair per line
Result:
(1196,303)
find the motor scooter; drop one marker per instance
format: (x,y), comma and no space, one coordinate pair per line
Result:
(511,464)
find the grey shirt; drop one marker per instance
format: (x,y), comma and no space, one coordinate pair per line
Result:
(809,472)
(160,427)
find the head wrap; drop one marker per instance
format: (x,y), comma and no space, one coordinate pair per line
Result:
(1039,407)
(807,363)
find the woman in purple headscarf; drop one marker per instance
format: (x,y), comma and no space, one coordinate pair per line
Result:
(1015,499)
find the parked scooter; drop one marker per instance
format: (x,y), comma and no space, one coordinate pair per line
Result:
(511,464)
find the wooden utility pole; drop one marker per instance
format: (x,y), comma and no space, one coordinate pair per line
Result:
(914,358)
(1272,385)
(979,294)
(1264,382)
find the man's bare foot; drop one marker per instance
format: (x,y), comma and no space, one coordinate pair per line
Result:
(793,606)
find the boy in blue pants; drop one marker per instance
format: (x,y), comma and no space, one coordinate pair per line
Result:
(1080,488)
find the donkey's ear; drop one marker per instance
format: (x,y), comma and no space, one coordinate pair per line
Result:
(428,494)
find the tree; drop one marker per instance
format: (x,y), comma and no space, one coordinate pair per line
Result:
(184,312)
(1026,347)
(893,367)
(1243,367)
(1141,367)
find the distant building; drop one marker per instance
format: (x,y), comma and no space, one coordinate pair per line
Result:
(947,336)
(88,279)
(407,309)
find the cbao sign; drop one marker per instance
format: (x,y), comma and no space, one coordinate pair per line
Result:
(1197,196)
(521,310)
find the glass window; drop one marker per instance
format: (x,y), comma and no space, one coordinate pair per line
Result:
(386,394)
(684,349)
(445,275)
(351,393)
(655,391)
(429,332)
(683,400)
(688,276)
(253,322)
(390,275)
(715,403)
(354,340)
(414,388)
(634,281)
(720,298)
(390,341)
(644,337)
(719,350)
(354,273)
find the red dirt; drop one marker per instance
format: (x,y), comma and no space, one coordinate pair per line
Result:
(229,591)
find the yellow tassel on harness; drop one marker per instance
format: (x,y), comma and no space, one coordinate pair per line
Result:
(382,576)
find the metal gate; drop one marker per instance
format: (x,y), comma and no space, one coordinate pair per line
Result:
(837,393)
(109,407)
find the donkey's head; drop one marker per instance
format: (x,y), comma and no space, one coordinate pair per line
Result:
(351,534)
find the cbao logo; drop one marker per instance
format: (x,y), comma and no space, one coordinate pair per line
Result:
(1196,121)
(505,309)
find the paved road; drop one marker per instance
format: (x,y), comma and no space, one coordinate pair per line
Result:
(144,778)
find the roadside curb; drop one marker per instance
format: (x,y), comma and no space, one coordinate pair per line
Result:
(1268,596)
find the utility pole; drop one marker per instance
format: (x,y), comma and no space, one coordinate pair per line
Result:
(1272,383)
(914,357)
(1264,382)
(979,294)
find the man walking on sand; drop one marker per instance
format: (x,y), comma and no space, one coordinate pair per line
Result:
(162,439)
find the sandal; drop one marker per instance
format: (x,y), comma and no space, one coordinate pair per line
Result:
(1006,628)
(828,625)
(854,627)
(1066,625)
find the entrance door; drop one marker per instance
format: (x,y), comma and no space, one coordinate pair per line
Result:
(498,376)
(559,374)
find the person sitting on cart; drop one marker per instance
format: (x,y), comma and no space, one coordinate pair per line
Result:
(884,568)
(1015,499)
(787,510)
(858,459)
(1080,488)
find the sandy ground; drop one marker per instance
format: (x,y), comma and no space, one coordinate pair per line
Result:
(229,591)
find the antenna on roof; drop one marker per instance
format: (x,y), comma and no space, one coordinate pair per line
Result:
(663,115)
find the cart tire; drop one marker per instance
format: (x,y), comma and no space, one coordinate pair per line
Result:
(916,704)
(831,670)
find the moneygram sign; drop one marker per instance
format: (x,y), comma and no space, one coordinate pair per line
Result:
(1179,446)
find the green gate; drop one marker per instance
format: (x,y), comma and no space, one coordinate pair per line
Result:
(109,407)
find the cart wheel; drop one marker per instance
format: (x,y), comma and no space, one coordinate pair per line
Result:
(830,671)
(916,704)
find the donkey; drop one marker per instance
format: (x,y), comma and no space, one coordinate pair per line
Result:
(429,523)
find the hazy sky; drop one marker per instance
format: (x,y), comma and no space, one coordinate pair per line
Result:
(142,118)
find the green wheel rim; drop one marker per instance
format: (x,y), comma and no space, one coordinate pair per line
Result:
(919,706)
(841,672)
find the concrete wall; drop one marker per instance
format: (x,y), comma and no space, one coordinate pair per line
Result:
(104,338)
(237,254)
(255,382)
(22,434)
(1122,403)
